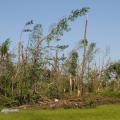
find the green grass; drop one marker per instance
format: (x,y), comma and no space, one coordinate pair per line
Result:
(104,112)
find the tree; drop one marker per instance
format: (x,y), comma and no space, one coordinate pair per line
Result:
(113,71)
(24,77)
(40,41)
(4,49)
(91,51)
(84,43)
(7,68)
(72,69)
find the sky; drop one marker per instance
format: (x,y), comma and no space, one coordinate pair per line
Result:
(103,20)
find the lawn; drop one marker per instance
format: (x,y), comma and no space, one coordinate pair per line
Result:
(104,112)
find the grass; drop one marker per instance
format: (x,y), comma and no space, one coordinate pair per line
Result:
(104,112)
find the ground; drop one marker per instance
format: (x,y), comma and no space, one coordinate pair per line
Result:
(104,112)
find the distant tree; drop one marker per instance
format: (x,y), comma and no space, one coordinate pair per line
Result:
(4,48)
(113,71)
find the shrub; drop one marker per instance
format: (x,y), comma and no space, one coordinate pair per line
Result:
(110,93)
(54,91)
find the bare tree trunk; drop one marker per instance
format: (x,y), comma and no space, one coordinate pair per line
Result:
(84,59)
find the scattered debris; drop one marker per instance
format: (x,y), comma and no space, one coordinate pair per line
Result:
(56,100)
(9,110)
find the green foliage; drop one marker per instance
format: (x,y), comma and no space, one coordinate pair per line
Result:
(63,25)
(4,47)
(113,71)
(84,42)
(108,92)
(32,76)
(25,81)
(7,102)
(78,12)
(73,63)
(62,47)
(53,91)
(91,51)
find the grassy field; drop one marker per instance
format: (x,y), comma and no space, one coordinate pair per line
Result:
(105,112)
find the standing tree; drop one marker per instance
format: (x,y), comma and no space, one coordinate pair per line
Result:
(72,69)
(6,68)
(84,42)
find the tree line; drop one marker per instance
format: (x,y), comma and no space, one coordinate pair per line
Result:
(40,68)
